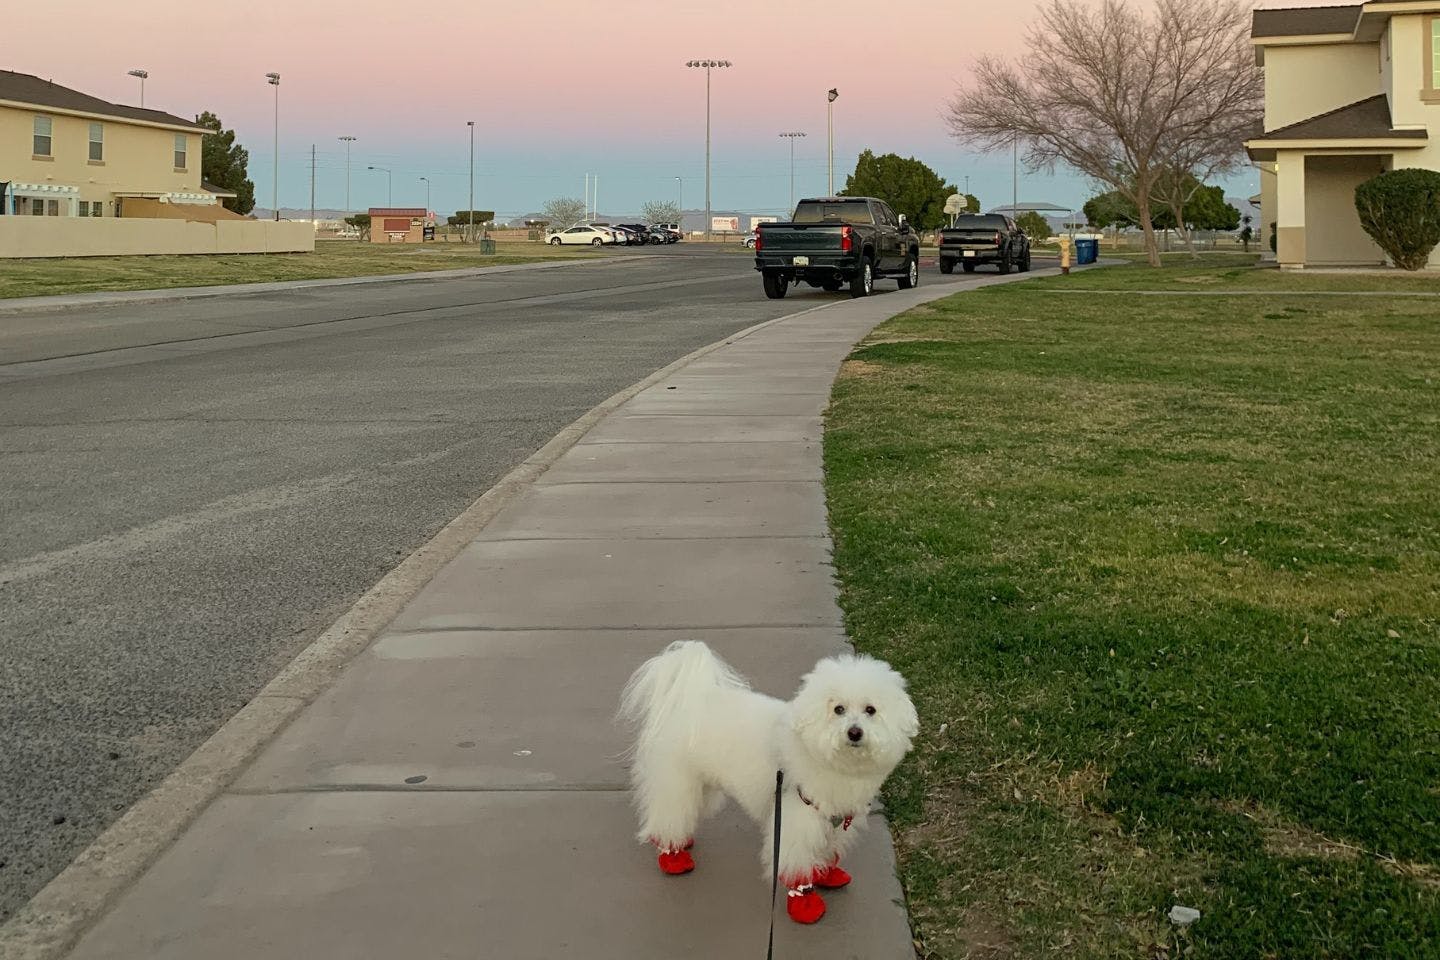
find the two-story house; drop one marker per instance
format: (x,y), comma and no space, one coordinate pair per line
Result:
(64,153)
(1350,92)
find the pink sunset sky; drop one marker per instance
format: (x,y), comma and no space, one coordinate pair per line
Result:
(558,88)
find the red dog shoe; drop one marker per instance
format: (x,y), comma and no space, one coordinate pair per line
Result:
(832,877)
(804,905)
(676,862)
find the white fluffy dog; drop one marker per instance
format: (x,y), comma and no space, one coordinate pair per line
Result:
(704,734)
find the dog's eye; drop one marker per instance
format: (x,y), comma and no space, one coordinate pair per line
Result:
(870,711)
(840,710)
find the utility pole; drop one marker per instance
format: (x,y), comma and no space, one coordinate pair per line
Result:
(312,184)
(1015,181)
(708,65)
(833,94)
(348,141)
(587,196)
(471,125)
(274,80)
(792,136)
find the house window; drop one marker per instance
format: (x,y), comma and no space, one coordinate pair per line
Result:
(37,207)
(42,136)
(52,208)
(97,142)
(1435,53)
(96,208)
(179,151)
(84,208)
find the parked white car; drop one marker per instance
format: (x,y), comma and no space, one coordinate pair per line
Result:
(582,234)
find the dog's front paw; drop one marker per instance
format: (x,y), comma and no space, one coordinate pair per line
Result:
(676,862)
(832,877)
(804,905)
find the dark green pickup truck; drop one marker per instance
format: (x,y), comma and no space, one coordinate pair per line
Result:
(834,241)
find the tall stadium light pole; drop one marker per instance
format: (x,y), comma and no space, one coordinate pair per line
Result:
(830,122)
(389,185)
(348,141)
(792,136)
(426,181)
(708,65)
(142,76)
(471,125)
(274,80)
(680,204)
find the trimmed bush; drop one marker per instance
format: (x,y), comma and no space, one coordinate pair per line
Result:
(1401,212)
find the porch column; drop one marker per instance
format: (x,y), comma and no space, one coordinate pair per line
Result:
(1290,209)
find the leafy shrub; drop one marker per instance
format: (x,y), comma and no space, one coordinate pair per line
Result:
(1401,212)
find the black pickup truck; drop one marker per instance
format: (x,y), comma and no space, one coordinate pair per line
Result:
(984,238)
(834,241)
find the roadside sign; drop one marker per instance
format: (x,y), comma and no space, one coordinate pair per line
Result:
(756,221)
(725,224)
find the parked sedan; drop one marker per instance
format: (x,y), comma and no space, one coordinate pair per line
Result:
(582,234)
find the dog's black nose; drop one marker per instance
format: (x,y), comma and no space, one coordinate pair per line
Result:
(855,734)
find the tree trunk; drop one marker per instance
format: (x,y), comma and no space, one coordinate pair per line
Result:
(1147,229)
(1183,231)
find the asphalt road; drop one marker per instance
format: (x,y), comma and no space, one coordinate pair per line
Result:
(193,490)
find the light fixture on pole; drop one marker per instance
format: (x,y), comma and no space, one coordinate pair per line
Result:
(471,125)
(426,181)
(830,123)
(792,136)
(708,65)
(142,76)
(348,141)
(389,185)
(274,80)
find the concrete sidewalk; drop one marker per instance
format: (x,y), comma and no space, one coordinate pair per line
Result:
(457,792)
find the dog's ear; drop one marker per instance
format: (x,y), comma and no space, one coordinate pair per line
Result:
(909,719)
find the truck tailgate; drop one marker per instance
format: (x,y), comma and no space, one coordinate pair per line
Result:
(800,237)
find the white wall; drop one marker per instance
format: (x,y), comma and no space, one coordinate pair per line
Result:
(105,237)
(1302,82)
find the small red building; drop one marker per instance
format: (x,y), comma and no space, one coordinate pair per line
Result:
(397,225)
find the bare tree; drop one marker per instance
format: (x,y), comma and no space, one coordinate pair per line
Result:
(1124,97)
(660,211)
(564,212)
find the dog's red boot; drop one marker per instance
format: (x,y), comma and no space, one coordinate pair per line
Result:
(676,862)
(832,877)
(804,905)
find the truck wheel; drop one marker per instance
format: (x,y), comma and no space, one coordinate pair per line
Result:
(775,285)
(947,266)
(1025,262)
(1004,264)
(969,267)
(864,280)
(911,280)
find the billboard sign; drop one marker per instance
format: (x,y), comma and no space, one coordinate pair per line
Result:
(725,224)
(756,221)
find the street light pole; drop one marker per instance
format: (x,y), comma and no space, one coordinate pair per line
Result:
(348,141)
(426,181)
(708,65)
(830,122)
(1015,181)
(792,136)
(471,125)
(142,76)
(274,80)
(680,204)
(389,185)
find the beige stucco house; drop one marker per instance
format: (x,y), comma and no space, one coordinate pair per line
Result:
(64,153)
(1350,92)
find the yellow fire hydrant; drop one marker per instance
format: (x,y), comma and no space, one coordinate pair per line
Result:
(1065,247)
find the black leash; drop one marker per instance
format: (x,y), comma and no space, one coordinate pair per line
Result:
(775,864)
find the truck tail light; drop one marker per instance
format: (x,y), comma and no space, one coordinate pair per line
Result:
(999,240)
(759,240)
(847,239)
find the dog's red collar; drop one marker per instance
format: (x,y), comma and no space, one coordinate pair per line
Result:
(842,822)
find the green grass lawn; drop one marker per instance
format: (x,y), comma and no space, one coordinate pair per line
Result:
(332,258)
(1164,573)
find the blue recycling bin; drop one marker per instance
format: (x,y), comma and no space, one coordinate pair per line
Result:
(1086,251)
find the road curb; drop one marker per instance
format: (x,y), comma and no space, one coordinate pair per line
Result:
(48,925)
(102,298)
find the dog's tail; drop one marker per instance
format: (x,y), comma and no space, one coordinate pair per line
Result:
(672,687)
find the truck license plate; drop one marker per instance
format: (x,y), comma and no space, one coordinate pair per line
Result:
(969,253)
(801,262)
